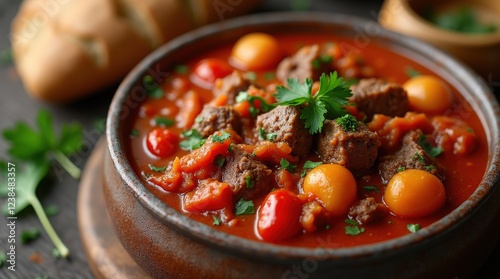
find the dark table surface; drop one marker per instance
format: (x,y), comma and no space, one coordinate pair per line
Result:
(35,259)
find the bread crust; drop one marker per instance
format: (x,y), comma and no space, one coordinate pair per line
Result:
(66,49)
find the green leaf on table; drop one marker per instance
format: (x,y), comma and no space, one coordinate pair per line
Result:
(30,235)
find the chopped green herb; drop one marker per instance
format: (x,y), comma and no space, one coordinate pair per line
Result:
(371,189)
(198,119)
(265,136)
(353,228)
(348,122)
(221,138)
(219,161)
(413,227)
(193,140)
(254,111)
(430,168)
(418,157)
(100,125)
(327,103)
(326,58)
(316,64)
(244,207)
(351,81)
(251,76)
(153,90)
(134,133)
(231,148)
(271,136)
(351,222)
(309,165)
(269,75)
(55,253)
(249,182)
(428,148)
(3,258)
(28,236)
(157,169)
(400,169)
(217,220)
(51,210)
(328,226)
(411,72)
(181,69)
(286,165)
(469,130)
(463,20)
(163,121)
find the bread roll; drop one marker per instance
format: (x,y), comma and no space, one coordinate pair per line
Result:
(66,49)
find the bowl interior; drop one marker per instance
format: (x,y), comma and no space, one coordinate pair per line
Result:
(131,93)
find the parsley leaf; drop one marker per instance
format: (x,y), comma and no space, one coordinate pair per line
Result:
(181,69)
(327,103)
(163,121)
(254,111)
(217,220)
(410,72)
(371,189)
(353,228)
(413,227)
(221,138)
(28,236)
(267,136)
(249,182)
(428,148)
(348,122)
(193,140)
(157,169)
(309,165)
(244,207)
(153,90)
(28,144)
(286,165)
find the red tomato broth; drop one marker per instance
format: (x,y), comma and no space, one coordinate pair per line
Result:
(462,175)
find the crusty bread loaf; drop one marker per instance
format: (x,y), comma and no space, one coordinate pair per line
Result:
(65,49)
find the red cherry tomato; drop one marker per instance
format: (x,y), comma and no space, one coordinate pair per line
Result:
(279,216)
(208,70)
(162,142)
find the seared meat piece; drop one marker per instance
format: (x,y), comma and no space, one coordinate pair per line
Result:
(410,156)
(247,177)
(367,211)
(306,63)
(374,96)
(355,150)
(231,86)
(313,216)
(285,124)
(212,119)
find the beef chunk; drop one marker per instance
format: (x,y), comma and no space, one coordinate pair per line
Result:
(356,150)
(248,177)
(410,156)
(313,216)
(284,122)
(212,119)
(374,96)
(231,86)
(367,211)
(306,63)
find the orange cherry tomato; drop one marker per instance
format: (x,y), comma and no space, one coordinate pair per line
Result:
(256,51)
(333,185)
(414,193)
(208,70)
(428,94)
(162,142)
(278,217)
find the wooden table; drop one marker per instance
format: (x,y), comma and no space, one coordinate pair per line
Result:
(35,259)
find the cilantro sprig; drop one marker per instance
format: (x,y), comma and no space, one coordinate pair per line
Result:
(327,103)
(27,144)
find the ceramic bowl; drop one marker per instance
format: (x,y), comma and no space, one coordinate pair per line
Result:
(168,244)
(481,52)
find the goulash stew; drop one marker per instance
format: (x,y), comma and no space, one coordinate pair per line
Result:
(307,140)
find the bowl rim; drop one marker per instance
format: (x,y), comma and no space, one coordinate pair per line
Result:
(227,242)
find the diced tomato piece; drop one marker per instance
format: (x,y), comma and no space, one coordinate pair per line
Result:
(274,152)
(162,142)
(454,135)
(204,156)
(278,217)
(210,195)
(207,71)
(286,180)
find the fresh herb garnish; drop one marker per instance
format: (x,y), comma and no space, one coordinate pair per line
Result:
(400,169)
(309,165)
(157,169)
(430,168)
(134,133)
(428,148)
(327,103)
(287,166)
(348,122)
(153,90)
(353,228)
(221,138)
(413,227)
(28,236)
(462,20)
(193,140)
(28,144)
(269,75)
(267,136)
(181,69)
(198,119)
(244,207)
(217,220)
(163,121)
(51,210)
(249,182)
(55,253)
(251,76)
(219,160)
(418,157)
(254,111)
(411,72)
(370,188)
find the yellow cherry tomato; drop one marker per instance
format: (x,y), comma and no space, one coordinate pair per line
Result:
(333,185)
(256,51)
(414,193)
(428,94)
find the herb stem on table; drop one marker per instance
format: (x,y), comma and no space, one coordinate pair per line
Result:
(66,163)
